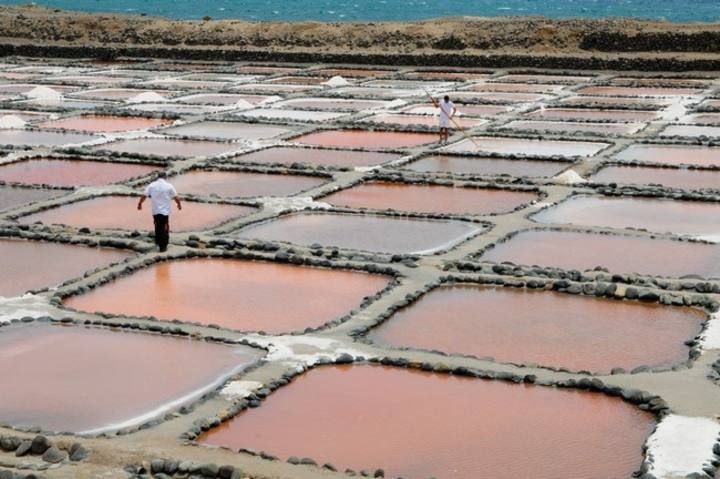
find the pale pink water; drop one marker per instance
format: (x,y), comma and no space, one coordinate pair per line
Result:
(366,139)
(486,166)
(106,124)
(62,172)
(592,114)
(243,184)
(11,197)
(169,147)
(672,154)
(672,177)
(315,156)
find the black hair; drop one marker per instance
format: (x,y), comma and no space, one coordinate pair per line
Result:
(447,98)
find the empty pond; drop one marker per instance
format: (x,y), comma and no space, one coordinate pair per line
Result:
(672,154)
(88,380)
(318,157)
(169,147)
(382,234)
(430,198)
(120,212)
(521,146)
(472,427)
(366,139)
(468,165)
(658,215)
(620,254)
(672,177)
(53,263)
(106,124)
(236,294)
(231,184)
(227,130)
(547,328)
(71,172)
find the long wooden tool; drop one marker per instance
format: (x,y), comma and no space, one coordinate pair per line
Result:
(462,130)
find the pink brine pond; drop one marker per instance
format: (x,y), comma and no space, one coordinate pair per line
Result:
(366,139)
(231,184)
(105,124)
(416,425)
(316,156)
(521,146)
(70,172)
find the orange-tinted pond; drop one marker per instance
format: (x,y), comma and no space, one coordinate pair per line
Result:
(620,254)
(169,147)
(242,184)
(672,177)
(592,114)
(236,294)
(41,138)
(52,264)
(227,130)
(570,127)
(659,215)
(314,156)
(366,139)
(91,380)
(62,172)
(11,197)
(521,146)
(672,154)
(430,198)
(383,234)
(417,425)
(466,165)
(99,123)
(120,212)
(547,328)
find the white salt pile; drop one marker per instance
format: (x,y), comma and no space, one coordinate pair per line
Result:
(8,122)
(43,93)
(568,178)
(337,80)
(147,97)
(243,104)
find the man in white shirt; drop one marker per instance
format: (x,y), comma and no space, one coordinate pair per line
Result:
(161,193)
(447,111)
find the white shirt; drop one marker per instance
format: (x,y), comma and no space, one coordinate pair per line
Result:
(161,194)
(446,109)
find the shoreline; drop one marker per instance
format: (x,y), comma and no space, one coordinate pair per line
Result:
(532,42)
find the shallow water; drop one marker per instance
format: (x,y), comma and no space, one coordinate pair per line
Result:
(11,197)
(52,264)
(573,127)
(691,131)
(105,124)
(169,147)
(637,91)
(520,146)
(227,130)
(69,172)
(592,114)
(366,139)
(242,184)
(82,379)
(548,328)
(236,294)
(331,104)
(470,428)
(430,198)
(486,166)
(42,138)
(620,254)
(672,154)
(314,156)
(672,177)
(363,232)
(421,120)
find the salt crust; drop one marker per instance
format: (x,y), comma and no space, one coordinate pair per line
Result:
(43,93)
(303,351)
(336,81)
(279,205)
(11,122)
(568,177)
(710,338)
(681,446)
(240,389)
(27,305)
(147,97)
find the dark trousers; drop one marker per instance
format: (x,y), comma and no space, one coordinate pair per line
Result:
(162,231)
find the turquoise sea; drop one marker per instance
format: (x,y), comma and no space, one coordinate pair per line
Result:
(376,10)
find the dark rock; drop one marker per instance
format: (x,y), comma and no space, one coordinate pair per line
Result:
(40,444)
(54,455)
(157,466)
(24,448)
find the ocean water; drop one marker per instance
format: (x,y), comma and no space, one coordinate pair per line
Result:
(377,10)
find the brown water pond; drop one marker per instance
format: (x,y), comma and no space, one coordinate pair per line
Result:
(70,172)
(467,165)
(570,127)
(366,139)
(12,197)
(383,234)
(592,114)
(470,428)
(522,146)
(88,380)
(169,147)
(430,198)
(120,212)
(658,215)
(620,254)
(547,328)
(315,156)
(236,294)
(227,130)
(672,154)
(105,124)
(52,264)
(672,177)
(230,184)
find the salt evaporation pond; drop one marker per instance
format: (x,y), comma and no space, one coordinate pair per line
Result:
(672,154)
(591,114)
(232,184)
(691,131)
(12,197)
(637,91)
(53,263)
(366,139)
(468,165)
(235,294)
(470,428)
(42,138)
(71,172)
(658,215)
(116,93)
(547,328)
(292,115)
(105,124)
(518,87)
(169,147)
(225,99)
(619,254)
(88,380)
(542,78)
(570,128)
(430,198)
(463,110)
(521,146)
(120,212)
(384,234)
(419,120)
(227,130)
(331,104)
(672,177)
(318,157)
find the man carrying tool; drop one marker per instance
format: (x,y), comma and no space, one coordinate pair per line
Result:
(447,112)
(161,193)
